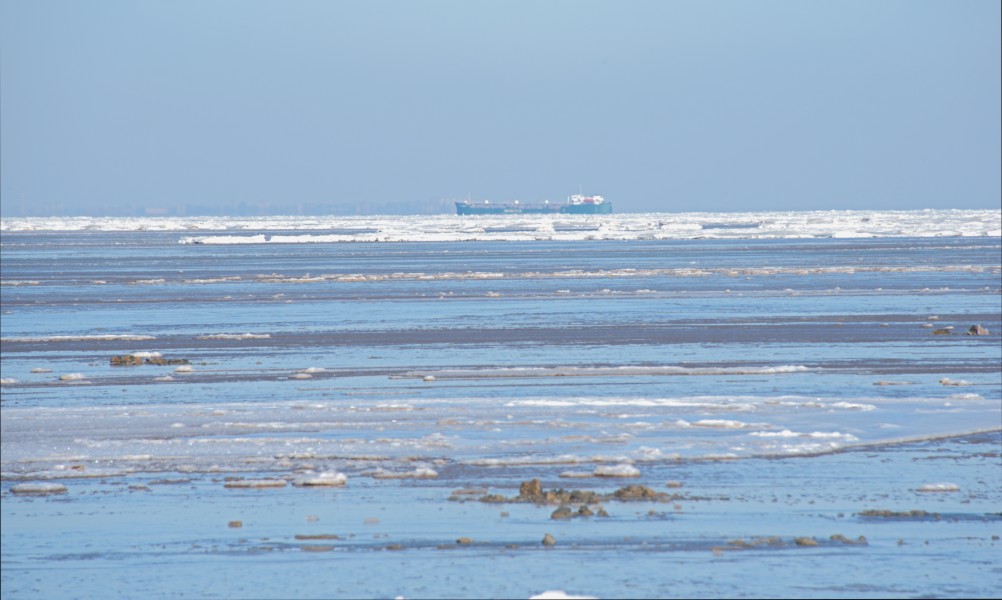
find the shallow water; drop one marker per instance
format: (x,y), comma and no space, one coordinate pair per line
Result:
(786,384)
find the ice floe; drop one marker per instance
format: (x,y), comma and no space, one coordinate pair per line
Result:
(256,483)
(559,595)
(418,473)
(39,489)
(853,406)
(938,487)
(720,423)
(326,479)
(617,471)
(234,336)
(954,382)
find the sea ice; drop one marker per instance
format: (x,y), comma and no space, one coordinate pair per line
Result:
(617,471)
(418,473)
(721,423)
(853,406)
(966,397)
(620,226)
(39,488)
(234,336)
(938,487)
(326,479)
(256,483)
(559,595)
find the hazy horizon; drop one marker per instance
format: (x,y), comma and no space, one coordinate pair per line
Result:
(391,107)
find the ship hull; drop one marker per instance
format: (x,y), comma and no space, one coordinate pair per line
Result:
(466,208)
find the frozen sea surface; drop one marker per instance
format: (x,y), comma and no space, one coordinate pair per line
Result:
(624,226)
(326,419)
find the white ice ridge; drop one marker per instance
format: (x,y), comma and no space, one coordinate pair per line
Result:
(622,226)
(520,372)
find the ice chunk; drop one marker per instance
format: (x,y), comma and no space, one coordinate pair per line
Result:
(938,487)
(234,336)
(418,473)
(854,406)
(560,595)
(719,423)
(256,483)
(326,479)
(617,471)
(38,488)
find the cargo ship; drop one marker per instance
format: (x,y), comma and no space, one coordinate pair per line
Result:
(575,205)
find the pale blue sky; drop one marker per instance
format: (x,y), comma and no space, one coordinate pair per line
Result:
(659,106)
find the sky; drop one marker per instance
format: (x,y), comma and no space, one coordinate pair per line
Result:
(190,106)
